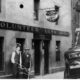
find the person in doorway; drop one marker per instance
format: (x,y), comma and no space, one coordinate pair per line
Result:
(26,60)
(16,60)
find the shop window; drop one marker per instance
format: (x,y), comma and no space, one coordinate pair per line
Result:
(36,9)
(57,51)
(1,54)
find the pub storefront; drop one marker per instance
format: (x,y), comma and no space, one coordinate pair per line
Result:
(37,39)
(41,53)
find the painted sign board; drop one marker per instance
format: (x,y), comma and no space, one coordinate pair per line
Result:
(27,28)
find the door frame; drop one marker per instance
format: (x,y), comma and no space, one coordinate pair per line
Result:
(3,56)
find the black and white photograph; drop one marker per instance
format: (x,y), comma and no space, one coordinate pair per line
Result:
(39,39)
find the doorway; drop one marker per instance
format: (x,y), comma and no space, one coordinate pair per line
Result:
(41,53)
(21,41)
(58,44)
(46,56)
(37,56)
(1,54)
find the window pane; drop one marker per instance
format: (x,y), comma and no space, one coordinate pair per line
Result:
(36,8)
(0,5)
(57,50)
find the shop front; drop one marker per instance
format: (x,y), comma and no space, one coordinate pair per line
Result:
(37,39)
(41,53)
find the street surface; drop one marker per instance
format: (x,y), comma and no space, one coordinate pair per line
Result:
(57,75)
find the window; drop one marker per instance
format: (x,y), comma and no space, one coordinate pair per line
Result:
(0,5)
(57,51)
(36,8)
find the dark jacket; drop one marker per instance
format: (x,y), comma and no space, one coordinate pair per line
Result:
(26,60)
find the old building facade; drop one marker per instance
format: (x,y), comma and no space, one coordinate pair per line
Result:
(75,9)
(29,23)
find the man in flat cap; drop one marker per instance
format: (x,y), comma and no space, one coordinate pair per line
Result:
(16,60)
(26,59)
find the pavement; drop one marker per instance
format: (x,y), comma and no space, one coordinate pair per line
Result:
(57,75)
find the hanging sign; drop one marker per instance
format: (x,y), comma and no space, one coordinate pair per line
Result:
(52,15)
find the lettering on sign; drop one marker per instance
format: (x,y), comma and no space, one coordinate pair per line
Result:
(26,28)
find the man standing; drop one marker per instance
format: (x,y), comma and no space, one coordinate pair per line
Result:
(16,60)
(26,60)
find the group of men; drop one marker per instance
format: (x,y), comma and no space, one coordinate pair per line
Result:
(21,62)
